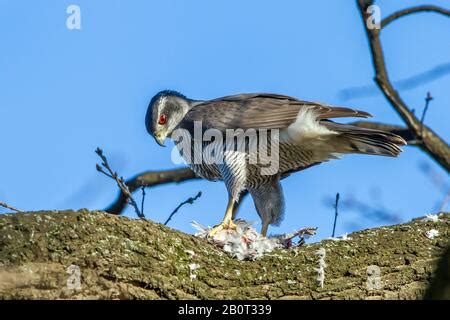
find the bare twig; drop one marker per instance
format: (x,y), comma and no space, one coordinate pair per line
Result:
(143,198)
(428,98)
(119,180)
(336,213)
(408,11)
(190,201)
(150,179)
(431,143)
(7,206)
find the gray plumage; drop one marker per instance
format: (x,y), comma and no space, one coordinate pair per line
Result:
(306,137)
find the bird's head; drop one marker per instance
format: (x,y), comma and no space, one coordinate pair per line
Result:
(165,111)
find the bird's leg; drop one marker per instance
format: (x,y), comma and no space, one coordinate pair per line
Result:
(235,210)
(237,204)
(227,222)
(264,228)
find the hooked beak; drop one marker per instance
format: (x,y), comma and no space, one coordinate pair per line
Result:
(160,139)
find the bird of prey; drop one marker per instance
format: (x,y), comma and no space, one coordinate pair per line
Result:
(306,137)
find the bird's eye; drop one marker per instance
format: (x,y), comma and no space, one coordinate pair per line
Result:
(162,119)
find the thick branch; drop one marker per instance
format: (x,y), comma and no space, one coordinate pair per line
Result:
(149,179)
(405,12)
(118,258)
(7,206)
(437,148)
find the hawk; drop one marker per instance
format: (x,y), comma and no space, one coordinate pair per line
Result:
(305,136)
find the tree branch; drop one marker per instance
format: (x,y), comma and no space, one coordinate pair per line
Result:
(131,259)
(408,11)
(431,143)
(150,179)
(7,206)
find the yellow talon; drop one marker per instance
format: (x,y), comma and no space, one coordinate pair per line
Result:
(227,222)
(224,225)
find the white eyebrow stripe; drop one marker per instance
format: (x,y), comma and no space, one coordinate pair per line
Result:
(162,103)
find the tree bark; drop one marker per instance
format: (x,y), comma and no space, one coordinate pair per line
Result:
(118,257)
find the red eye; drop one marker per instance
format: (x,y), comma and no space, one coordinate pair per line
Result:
(162,119)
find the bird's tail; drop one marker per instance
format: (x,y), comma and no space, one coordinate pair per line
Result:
(352,139)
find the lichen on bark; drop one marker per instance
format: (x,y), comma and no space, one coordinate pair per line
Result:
(122,258)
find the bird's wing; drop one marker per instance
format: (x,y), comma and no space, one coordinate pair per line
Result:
(259,111)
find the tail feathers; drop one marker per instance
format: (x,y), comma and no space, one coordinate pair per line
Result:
(374,143)
(354,139)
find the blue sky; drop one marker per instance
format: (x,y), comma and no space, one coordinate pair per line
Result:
(65,92)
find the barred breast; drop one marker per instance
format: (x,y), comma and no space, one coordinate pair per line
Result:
(236,169)
(192,153)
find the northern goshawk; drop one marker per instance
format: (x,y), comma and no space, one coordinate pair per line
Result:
(300,130)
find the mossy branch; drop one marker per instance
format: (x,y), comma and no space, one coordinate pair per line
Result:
(118,257)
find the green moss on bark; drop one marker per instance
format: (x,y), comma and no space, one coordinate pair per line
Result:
(126,259)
